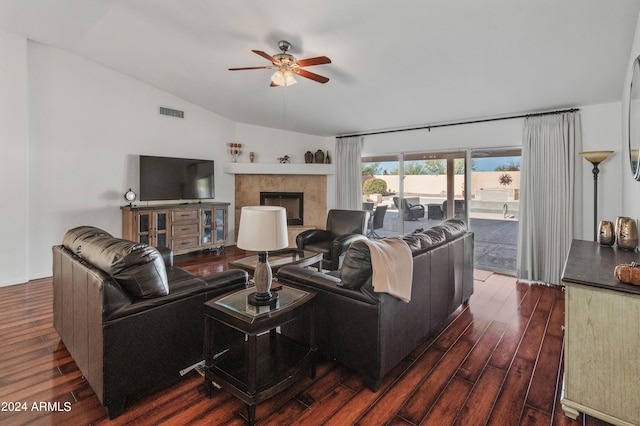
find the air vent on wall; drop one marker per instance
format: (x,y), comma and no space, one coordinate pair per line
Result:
(171,112)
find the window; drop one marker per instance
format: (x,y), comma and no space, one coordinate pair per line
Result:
(420,189)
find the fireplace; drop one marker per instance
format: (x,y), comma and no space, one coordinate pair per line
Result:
(293,202)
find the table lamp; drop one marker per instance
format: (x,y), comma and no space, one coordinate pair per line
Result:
(263,229)
(595,158)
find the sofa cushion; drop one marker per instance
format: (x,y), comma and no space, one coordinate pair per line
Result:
(413,240)
(420,241)
(432,238)
(356,266)
(138,268)
(73,238)
(452,228)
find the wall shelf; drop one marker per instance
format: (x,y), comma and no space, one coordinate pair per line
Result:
(278,169)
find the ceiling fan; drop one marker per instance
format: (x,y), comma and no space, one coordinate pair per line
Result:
(286,65)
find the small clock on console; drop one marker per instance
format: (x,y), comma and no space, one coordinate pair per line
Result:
(130,197)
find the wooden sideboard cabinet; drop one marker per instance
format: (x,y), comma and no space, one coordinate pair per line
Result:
(602,336)
(184,227)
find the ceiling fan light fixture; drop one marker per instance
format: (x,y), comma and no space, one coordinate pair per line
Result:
(283,77)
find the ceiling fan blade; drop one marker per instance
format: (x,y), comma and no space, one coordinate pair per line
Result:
(250,68)
(310,75)
(274,85)
(266,56)
(314,61)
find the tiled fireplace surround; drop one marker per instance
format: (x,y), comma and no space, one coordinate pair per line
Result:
(314,187)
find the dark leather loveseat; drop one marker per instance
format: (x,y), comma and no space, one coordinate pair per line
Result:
(129,318)
(372,332)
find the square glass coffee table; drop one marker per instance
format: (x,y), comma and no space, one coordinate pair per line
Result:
(280,258)
(245,355)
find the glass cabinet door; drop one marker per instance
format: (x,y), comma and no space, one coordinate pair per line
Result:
(144,227)
(207,221)
(221,220)
(152,228)
(161,229)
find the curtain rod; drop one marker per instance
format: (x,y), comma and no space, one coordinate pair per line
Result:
(484,120)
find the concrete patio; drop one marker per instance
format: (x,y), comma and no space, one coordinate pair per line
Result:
(495,239)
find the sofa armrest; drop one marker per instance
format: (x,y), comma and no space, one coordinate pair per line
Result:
(311,279)
(226,278)
(342,243)
(167,256)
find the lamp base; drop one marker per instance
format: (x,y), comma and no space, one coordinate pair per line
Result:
(263,299)
(262,277)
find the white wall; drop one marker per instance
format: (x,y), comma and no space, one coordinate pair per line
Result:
(270,144)
(481,135)
(600,130)
(87,126)
(630,187)
(70,143)
(14,167)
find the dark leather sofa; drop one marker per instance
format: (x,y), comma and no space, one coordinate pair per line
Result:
(129,318)
(372,332)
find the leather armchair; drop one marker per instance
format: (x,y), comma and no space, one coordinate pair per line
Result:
(343,228)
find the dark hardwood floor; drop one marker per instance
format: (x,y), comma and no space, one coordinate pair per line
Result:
(498,362)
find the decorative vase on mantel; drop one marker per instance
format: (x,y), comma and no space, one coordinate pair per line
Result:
(319,156)
(308,157)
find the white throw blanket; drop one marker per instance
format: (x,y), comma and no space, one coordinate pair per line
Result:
(392,266)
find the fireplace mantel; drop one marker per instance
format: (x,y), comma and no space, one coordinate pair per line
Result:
(278,169)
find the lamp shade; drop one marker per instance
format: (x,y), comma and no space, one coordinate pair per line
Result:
(596,156)
(263,228)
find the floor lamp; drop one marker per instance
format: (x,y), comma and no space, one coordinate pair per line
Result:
(595,158)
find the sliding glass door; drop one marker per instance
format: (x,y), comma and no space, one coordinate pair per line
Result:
(421,189)
(494,208)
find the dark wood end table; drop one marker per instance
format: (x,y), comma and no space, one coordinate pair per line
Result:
(264,363)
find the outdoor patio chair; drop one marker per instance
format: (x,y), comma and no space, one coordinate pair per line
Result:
(377,221)
(409,211)
(434,212)
(458,209)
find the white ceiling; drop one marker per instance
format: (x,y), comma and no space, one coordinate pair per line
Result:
(395,63)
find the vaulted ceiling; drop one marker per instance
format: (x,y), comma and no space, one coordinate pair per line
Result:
(394,63)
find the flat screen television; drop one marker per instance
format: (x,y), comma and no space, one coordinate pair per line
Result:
(166,178)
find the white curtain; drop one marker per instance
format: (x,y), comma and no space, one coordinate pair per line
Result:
(550,173)
(348,173)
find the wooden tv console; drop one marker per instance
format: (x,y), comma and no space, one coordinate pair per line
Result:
(182,227)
